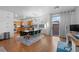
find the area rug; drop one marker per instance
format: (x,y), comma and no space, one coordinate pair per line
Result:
(30,41)
(64,47)
(2,49)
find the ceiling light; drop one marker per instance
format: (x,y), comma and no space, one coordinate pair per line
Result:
(56,7)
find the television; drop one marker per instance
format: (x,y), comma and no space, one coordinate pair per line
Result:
(74,27)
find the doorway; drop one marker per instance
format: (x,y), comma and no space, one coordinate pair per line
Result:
(55,25)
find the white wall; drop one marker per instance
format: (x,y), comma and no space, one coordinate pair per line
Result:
(77,16)
(6,22)
(42,13)
(46,19)
(73,17)
(67,18)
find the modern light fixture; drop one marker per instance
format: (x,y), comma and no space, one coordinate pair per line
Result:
(56,7)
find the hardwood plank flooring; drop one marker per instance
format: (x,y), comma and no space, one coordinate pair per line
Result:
(13,45)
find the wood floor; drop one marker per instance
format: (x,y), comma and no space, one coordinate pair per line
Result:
(13,45)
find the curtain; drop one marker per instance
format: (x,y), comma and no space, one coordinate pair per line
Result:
(65,21)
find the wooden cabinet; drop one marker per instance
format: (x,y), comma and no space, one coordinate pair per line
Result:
(18,23)
(23,25)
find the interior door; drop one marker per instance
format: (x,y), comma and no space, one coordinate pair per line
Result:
(55,29)
(55,24)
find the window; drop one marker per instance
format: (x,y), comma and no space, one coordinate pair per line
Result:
(56,18)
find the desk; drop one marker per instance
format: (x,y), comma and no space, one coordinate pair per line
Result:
(73,38)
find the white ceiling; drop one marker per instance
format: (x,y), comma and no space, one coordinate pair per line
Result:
(34,10)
